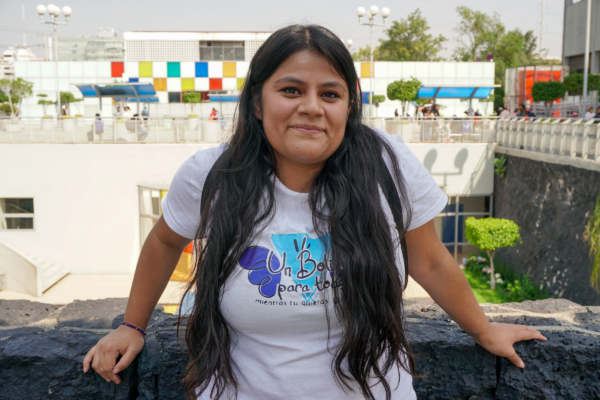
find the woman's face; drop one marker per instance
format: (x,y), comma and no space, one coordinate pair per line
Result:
(304,109)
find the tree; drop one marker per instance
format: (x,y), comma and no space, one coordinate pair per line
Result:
(408,40)
(43,102)
(491,234)
(574,85)
(365,54)
(67,98)
(548,92)
(377,99)
(482,37)
(18,89)
(404,91)
(192,98)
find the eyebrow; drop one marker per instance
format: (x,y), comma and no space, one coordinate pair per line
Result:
(291,79)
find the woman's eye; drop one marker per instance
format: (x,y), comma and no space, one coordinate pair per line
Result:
(331,95)
(290,90)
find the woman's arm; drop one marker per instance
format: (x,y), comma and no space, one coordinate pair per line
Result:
(158,259)
(432,267)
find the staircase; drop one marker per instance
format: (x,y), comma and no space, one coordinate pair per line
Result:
(19,266)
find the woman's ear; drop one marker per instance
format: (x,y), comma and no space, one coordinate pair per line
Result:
(257,110)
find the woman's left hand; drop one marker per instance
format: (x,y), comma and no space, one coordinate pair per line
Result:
(500,338)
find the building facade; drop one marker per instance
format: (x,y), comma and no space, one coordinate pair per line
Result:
(192,46)
(575,20)
(173,78)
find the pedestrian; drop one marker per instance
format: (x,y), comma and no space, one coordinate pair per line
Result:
(435,110)
(396,113)
(503,113)
(97,128)
(522,111)
(296,221)
(145,113)
(589,114)
(213,115)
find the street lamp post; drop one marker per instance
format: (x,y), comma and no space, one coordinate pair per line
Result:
(54,12)
(373,11)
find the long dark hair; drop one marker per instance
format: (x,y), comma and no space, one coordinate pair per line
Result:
(368,303)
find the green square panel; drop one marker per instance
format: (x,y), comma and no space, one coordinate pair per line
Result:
(173,70)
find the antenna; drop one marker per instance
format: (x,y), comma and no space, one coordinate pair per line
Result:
(23,13)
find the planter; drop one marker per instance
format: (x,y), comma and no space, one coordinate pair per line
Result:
(192,122)
(404,130)
(378,123)
(120,127)
(68,125)
(47,124)
(79,121)
(210,131)
(13,127)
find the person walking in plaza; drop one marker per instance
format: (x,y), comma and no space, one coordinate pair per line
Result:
(97,128)
(213,115)
(145,113)
(503,113)
(306,225)
(589,114)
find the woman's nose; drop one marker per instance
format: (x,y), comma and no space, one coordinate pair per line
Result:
(311,105)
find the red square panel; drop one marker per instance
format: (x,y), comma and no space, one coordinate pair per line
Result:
(215,84)
(117,68)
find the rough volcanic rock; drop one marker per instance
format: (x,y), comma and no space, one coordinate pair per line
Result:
(565,367)
(25,312)
(551,203)
(37,364)
(44,362)
(95,314)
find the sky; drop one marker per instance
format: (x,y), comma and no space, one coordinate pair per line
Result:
(267,15)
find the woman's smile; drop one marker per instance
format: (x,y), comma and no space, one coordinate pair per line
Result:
(308,129)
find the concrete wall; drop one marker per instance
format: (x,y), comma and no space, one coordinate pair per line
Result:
(551,203)
(460,169)
(86,197)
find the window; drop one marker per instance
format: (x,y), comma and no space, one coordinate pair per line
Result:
(150,209)
(222,50)
(16,213)
(174,97)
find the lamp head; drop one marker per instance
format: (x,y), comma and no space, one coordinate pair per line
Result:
(373,10)
(385,12)
(360,11)
(53,10)
(41,9)
(349,43)
(66,10)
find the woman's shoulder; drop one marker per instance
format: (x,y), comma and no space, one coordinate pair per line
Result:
(200,163)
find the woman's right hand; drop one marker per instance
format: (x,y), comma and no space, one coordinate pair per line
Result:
(123,341)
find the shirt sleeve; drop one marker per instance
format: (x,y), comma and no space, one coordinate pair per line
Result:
(181,204)
(426,198)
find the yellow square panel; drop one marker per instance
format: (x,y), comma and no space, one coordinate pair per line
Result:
(187,84)
(365,70)
(145,69)
(240,83)
(160,84)
(228,70)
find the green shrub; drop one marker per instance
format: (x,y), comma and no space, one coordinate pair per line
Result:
(490,234)
(592,235)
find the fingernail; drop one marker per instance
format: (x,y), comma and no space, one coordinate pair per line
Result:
(521,364)
(116,371)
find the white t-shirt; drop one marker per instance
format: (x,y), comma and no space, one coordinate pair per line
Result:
(275,301)
(589,115)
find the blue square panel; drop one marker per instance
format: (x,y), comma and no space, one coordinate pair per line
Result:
(201,70)
(134,79)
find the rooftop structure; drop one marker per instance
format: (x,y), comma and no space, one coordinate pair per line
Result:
(574,36)
(192,46)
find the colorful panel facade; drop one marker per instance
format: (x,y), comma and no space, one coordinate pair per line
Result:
(146,70)
(173,70)
(170,78)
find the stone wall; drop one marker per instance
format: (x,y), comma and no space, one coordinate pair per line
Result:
(551,203)
(42,348)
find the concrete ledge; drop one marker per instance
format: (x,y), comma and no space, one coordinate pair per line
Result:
(550,158)
(42,347)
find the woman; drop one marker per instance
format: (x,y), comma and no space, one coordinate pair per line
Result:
(299,274)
